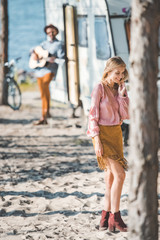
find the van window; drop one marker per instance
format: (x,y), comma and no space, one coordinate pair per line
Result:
(103,50)
(82,31)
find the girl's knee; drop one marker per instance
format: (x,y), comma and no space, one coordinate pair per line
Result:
(120,176)
(117,170)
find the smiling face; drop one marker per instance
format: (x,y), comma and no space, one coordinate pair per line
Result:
(116,75)
(51,32)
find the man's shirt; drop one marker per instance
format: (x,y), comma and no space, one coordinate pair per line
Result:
(55,49)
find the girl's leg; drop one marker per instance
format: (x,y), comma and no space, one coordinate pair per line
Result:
(115,220)
(118,180)
(108,177)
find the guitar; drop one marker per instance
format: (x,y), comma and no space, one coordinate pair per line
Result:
(39,57)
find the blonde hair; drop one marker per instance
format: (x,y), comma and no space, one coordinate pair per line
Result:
(111,64)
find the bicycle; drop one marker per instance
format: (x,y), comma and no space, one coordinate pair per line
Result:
(14,98)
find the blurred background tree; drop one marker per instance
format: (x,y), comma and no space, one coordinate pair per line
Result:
(4,48)
(143,202)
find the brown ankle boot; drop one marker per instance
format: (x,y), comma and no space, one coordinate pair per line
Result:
(115,221)
(104,220)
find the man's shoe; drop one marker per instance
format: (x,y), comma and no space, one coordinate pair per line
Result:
(41,122)
(48,115)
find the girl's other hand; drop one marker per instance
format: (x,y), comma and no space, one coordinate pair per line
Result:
(98,147)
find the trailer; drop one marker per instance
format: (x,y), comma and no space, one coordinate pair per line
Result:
(92,31)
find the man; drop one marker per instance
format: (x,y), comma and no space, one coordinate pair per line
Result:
(48,72)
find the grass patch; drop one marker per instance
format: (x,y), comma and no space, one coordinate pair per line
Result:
(29,87)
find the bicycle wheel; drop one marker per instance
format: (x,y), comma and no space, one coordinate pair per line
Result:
(14,94)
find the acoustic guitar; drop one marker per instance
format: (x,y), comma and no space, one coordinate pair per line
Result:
(38,58)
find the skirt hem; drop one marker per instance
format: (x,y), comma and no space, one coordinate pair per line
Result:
(102,164)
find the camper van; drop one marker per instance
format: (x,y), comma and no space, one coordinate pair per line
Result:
(92,31)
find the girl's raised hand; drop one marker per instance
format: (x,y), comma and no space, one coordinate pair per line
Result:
(122,89)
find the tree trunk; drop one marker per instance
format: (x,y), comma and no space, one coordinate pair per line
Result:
(4,50)
(143,158)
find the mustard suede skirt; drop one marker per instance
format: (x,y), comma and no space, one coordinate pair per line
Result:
(112,141)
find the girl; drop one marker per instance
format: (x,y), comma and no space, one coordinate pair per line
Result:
(109,107)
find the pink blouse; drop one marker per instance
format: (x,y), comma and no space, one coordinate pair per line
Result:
(106,109)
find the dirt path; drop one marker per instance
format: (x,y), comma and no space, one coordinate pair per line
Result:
(51,187)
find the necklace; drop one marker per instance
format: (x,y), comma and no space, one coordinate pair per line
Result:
(114,87)
(110,87)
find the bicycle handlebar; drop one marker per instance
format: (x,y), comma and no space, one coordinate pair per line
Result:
(12,62)
(17,59)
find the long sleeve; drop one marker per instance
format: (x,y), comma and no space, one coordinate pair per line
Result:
(60,51)
(93,128)
(123,106)
(60,55)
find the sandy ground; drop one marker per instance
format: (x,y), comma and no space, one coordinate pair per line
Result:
(51,187)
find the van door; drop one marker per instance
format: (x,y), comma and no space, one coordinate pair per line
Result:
(71,52)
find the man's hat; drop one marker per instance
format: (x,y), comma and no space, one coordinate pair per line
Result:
(50,26)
